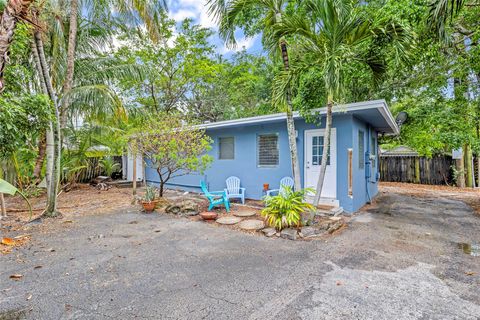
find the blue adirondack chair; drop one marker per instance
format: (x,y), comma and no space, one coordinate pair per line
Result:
(286,182)
(234,190)
(215,198)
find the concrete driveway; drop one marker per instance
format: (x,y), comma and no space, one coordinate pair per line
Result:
(399,260)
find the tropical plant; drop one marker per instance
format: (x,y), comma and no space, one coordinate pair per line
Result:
(285,209)
(333,36)
(7,188)
(109,166)
(268,14)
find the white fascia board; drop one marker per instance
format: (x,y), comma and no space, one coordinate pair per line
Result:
(381,105)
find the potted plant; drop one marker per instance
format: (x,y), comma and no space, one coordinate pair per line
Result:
(148,201)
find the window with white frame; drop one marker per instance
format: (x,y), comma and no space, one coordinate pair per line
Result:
(226,148)
(267,150)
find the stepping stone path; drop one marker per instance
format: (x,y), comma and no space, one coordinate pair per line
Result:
(251,225)
(244,213)
(229,220)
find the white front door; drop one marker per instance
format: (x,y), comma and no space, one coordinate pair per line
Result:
(313,158)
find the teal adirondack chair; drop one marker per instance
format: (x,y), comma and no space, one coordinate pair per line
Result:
(215,198)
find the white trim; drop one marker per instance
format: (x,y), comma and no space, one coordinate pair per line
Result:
(381,105)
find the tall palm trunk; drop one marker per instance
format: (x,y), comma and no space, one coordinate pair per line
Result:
(478,156)
(326,148)
(292,139)
(72,43)
(3,210)
(42,147)
(13,12)
(53,132)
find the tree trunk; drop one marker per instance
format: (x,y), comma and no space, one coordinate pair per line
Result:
(42,146)
(292,139)
(468,167)
(478,170)
(72,42)
(3,211)
(326,148)
(53,133)
(12,13)
(460,172)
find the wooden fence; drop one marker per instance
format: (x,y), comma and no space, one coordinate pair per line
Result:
(436,170)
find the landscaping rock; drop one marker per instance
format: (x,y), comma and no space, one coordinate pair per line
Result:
(335,218)
(251,225)
(229,220)
(308,232)
(244,213)
(335,226)
(289,233)
(189,208)
(336,211)
(186,207)
(173,209)
(324,224)
(269,232)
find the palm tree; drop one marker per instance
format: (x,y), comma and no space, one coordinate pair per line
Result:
(14,11)
(332,35)
(230,14)
(56,74)
(130,11)
(443,11)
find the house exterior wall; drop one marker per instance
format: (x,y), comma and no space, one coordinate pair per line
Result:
(244,165)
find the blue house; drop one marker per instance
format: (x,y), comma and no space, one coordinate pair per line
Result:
(256,150)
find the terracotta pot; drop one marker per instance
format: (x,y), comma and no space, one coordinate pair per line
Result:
(266,186)
(149,206)
(208,215)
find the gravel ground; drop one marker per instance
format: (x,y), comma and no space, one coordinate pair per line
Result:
(400,258)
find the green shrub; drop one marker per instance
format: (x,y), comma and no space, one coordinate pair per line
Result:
(285,210)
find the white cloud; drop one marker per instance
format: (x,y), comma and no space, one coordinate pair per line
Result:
(194,9)
(243,43)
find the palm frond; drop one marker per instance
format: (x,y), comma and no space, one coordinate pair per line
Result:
(97,102)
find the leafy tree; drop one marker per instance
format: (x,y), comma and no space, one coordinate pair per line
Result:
(268,13)
(23,119)
(13,12)
(334,35)
(172,146)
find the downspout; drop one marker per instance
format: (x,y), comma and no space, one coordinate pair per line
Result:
(367,165)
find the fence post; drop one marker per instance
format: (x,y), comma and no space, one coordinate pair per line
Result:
(417,169)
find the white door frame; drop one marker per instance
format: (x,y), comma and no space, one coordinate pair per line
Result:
(333,161)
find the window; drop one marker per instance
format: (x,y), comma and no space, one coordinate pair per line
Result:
(226,148)
(267,150)
(373,152)
(317,151)
(361,149)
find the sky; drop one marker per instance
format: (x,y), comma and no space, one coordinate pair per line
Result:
(197,10)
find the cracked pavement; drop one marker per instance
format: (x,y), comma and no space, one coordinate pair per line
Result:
(398,260)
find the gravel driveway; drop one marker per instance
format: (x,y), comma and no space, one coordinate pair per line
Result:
(400,259)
